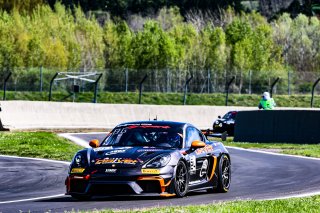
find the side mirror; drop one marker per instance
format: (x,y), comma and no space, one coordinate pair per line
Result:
(197,144)
(219,116)
(94,143)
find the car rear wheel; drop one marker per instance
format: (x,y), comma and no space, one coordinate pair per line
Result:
(181,180)
(224,177)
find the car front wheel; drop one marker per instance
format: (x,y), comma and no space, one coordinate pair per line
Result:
(181,180)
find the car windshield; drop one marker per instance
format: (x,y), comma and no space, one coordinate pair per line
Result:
(145,135)
(230,115)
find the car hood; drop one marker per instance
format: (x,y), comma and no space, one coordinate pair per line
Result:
(125,156)
(221,120)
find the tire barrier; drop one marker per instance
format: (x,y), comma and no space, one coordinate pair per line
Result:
(281,126)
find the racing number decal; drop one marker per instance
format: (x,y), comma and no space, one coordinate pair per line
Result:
(193,164)
(120,131)
(204,168)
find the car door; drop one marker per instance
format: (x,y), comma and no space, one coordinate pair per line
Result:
(199,163)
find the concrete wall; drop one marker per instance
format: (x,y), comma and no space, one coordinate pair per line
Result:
(35,114)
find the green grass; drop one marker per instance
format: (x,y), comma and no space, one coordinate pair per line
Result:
(37,144)
(308,150)
(214,99)
(308,204)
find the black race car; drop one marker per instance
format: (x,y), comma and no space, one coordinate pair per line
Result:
(225,124)
(166,158)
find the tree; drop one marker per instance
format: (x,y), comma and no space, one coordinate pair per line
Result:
(117,39)
(153,47)
(25,5)
(90,37)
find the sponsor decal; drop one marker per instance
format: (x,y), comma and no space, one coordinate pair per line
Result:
(116,161)
(132,124)
(111,170)
(116,151)
(77,170)
(149,150)
(102,148)
(195,182)
(148,126)
(150,171)
(206,149)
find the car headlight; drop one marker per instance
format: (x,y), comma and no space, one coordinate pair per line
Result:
(158,162)
(79,160)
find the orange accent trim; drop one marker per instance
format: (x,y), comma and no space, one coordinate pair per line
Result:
(197,144)
(167,195)
(213,167)
(160,179)
(94,143)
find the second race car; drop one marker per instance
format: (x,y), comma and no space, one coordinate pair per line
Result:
(147,157)
(225,124)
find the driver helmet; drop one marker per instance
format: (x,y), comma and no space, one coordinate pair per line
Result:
(174,140)
(266,96)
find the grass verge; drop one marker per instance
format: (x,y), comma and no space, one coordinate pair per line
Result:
(212,99)
(293,205)
(308,150)
(37,144)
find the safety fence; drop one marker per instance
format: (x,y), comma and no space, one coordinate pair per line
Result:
(159,80)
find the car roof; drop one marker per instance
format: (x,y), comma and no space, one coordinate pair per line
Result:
(158,123)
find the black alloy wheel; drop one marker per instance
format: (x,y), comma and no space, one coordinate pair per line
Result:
(224,174)
(181,180)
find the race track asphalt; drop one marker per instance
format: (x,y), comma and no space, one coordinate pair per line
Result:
(254,176)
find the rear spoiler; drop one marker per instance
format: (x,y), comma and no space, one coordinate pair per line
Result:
(210,133)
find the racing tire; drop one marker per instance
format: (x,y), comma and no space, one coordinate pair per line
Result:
(181,180)
(224,176)
(81,197)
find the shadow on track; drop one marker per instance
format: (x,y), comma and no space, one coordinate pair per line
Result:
(66,199)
